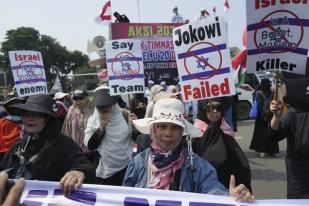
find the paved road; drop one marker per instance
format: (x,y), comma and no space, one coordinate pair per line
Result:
(268,173)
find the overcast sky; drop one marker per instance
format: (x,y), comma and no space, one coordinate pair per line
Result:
(71,22)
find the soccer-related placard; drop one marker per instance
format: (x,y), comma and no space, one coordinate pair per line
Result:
(157,48)
(125,66)
(203,59)
(28,72)
(277,35)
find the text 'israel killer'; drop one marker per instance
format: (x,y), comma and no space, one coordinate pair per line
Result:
(198,34)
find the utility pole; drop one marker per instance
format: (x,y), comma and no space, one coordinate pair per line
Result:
(138,11)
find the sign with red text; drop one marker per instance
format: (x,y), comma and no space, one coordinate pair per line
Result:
(157,48)
(278,34)
(125,66)
(203,59)
(28,72)
(48,193)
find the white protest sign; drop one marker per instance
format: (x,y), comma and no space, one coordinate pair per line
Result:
(125,66)
(278,34)
(48,193)
(203,59)
(28,72)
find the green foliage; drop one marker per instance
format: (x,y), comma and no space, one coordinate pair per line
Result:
(84,82)
(55,56)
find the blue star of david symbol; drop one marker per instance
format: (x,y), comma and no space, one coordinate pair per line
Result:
(201,62)
(125,66)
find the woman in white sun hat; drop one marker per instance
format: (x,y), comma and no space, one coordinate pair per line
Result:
(170,163)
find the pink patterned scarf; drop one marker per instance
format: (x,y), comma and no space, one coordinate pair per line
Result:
(161,178)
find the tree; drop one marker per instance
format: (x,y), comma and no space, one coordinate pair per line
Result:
(55,56)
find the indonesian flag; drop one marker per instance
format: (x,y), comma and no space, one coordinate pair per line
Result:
(226,6)
(105,16)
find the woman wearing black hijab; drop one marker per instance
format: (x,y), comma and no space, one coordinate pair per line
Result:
(294,127)
(260,143)
(43,152)
(221,149)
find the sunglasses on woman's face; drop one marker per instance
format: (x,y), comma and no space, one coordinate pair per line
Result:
(213,106)
(33,115)
(78,98)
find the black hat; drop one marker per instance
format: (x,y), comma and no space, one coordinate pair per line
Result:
(10,99)
(297,93)
(102,97)
(41,103)
(80,93)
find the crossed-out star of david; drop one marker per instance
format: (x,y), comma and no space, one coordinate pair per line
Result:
(201,63)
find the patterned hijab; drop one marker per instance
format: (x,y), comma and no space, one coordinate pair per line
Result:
(162,166)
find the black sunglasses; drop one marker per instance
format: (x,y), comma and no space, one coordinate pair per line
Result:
(214,106)
(33,115)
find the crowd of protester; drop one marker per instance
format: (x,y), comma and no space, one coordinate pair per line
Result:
(157,141)
(101,142)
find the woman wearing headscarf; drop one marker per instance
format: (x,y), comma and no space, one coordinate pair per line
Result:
(294,127)
(76,119)
(169,164)
(218,146)
(109,133)
(43,153)
(260,143)
(204,120)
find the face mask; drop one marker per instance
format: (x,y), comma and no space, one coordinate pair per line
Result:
(14,118)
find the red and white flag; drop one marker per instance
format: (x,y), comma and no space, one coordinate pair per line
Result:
(105,16)
(214,10)
(226,6)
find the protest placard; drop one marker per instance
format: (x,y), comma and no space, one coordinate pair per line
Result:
(157,48)
(125,66)
(277,36)
(28,72)
(203,59)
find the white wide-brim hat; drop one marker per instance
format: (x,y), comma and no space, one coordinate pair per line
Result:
(167,110)
(60,95)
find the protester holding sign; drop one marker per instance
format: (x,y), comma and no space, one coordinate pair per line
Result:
(43,153)
(169,164)
(294,126)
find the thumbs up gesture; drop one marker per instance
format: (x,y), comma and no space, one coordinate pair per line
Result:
(240,192)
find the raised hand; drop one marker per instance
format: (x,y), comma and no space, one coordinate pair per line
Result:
(240,192)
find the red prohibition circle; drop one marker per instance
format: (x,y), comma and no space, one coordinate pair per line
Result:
(285,49)
(216,70)
(121,76)
(20,67)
